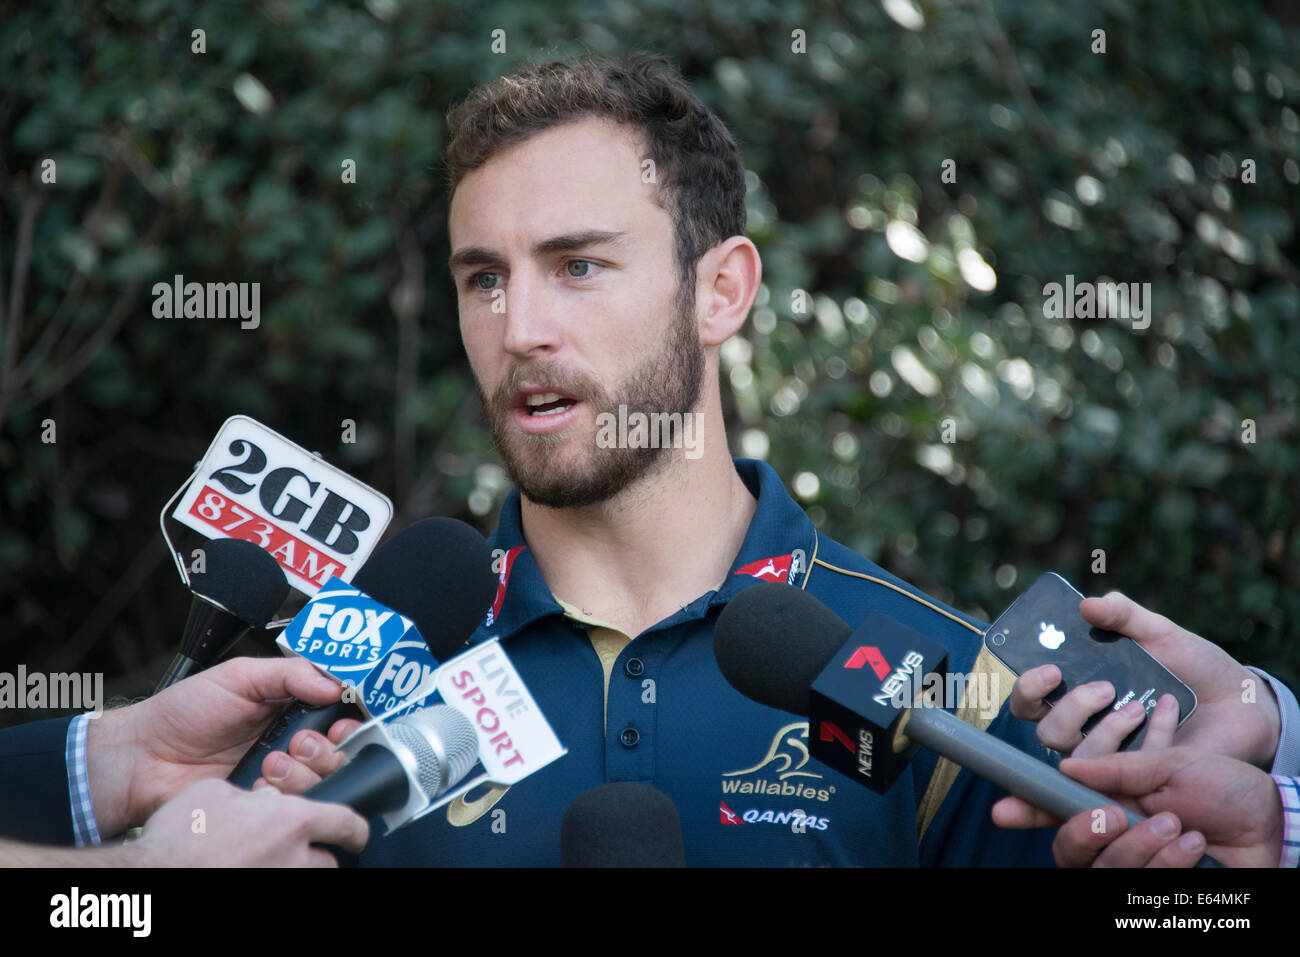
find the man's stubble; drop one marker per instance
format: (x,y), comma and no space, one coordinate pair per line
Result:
(667,382)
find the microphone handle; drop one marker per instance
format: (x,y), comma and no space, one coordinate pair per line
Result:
(1008,767)
(374,782)
(182,667)
(296,716)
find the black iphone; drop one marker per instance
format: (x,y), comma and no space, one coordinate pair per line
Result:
(1043,626)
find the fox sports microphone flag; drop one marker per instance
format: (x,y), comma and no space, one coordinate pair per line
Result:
(385,634)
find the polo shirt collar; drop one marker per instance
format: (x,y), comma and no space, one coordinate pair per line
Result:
(779,546)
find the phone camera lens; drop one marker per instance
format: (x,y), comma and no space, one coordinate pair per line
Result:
(999,638)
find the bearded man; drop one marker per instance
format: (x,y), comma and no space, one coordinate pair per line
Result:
(597,246)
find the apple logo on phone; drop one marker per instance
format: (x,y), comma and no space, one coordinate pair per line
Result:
(1049,636)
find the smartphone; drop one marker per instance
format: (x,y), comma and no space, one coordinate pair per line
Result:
(1043,626)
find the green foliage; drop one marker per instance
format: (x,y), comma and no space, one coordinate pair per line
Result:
(1071,435)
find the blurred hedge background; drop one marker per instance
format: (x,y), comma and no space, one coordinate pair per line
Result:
(924,298)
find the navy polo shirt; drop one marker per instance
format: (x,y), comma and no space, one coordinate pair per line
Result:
(739,773)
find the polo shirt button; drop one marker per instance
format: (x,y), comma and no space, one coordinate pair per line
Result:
(634,667)
(630,737)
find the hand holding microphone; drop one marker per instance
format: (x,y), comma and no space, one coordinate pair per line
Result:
(781,647)
(437,573)
(420,755)
(1198,800)
(140,756)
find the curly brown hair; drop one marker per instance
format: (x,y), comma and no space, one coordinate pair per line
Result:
(699,178)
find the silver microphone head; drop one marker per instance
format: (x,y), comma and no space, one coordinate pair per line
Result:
(441,745)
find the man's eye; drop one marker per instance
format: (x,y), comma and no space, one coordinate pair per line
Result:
(477,280)
(579,268)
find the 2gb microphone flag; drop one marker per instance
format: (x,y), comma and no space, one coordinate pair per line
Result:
(317,521)
(350,636)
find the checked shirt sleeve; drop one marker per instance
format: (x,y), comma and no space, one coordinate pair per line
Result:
(83,810)
(1290,790)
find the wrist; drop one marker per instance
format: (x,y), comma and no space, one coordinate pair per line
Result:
(112,755)
(1265,750)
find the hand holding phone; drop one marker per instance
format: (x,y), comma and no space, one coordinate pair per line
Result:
(1044,626)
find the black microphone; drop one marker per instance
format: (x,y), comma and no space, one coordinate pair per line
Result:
(622,824)
(419,755)
(781,647)
(239,588)
(438,573)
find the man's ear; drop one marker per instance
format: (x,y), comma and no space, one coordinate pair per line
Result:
(726,283)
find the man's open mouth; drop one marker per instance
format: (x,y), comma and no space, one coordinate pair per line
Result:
(547,403)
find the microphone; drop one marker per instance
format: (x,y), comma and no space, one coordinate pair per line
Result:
(436,572)
(781,647)
(413,759)
(240,588)
(622,824)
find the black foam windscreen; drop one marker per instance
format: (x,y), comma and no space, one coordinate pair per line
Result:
(438,573)
(772,641)
(242,578)
(622,824)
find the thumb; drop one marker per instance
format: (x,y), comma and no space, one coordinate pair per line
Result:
(1117,612)
(274,679)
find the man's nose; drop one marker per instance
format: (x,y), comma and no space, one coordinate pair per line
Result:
(531,325)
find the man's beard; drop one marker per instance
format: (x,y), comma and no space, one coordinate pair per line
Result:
(668,381)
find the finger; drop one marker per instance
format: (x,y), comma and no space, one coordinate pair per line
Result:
(1162,724)
(1111,731)
(1084,836)
(1014,814)
(342,729)
(1184,852)
(1060,728)
(288,775)
(337,824)
(1117,612)
(319,857)
(1131,773)
(276,679)
(317,752)
(1030,689)
(1141,843)
(304,681)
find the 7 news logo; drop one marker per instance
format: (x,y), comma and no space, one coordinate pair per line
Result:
(893,691)
(869,655)
(830,731)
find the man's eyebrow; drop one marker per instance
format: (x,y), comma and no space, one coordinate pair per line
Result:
(482,256)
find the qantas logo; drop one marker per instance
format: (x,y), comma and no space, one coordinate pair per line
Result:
(869,655)
(778,568)
(502,562)
(797,820)
(774,569)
